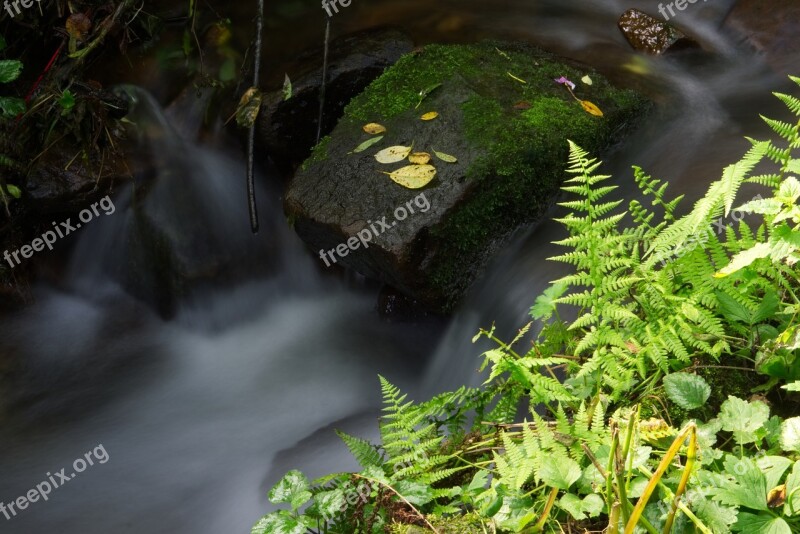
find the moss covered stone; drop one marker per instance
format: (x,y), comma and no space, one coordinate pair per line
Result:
(505,118)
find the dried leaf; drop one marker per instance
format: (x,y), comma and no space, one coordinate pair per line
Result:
(777,496)
(78,26)
(366,144)
(249,106)
(522,105)
(419,158)
(413,176)
(445,157)
(393,154)
(429,116)
(374,128)
(587,80)
(287,87)
(591,108)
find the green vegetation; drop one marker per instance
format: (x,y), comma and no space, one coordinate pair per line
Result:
(660,301)
(10,107)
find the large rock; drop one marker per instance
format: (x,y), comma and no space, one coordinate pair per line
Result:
(287,129)
(651,35)
(771,27)
(510,138)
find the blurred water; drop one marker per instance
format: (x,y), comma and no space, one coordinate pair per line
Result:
(202,413)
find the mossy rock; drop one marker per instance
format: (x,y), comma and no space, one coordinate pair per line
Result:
(506,120)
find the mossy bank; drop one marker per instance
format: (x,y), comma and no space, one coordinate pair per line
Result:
(501,113)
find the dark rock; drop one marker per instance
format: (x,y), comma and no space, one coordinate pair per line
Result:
(394,306)
(510,163)
(772,27)
(651,35)
(287,129)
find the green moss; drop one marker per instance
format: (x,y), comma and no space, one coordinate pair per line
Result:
(318,154)
(521,153)
(467,524)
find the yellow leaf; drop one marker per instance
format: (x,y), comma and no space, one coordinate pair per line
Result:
(591,108)
(419,158)
(374,128)
(429,116)
(520,80)
(249,106)
(587,80)
(413,176)
(366,144)
(446,157)
(393,154)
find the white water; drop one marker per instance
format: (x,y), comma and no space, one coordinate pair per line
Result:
(201,414)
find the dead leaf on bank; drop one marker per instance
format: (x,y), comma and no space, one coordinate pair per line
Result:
(591,108)
(587,80)
(522,105)
(374,128)
(413,176)
(419,158)
(393,154)
(445,157)
(249,106)
(366,144)
(429,116)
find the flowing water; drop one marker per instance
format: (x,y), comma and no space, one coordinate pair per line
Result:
(201,413)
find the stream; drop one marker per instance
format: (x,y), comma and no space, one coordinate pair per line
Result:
(201,414)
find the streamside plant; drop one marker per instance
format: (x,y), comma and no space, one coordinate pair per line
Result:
(625,429)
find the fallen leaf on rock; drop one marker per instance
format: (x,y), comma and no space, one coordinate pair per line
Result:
(425,92)
(413,176)
(419,158)
(249,106)
(366,144)
(429,116)
(591,108)
(374,128)
(522,105)
(393,154)
(287,87)
(445,157)
(587,80)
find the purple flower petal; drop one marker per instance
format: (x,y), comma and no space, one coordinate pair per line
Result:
(566,82)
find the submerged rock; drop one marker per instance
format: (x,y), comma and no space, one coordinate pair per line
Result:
(287,129)
(505,119)
(651,35)
(772,28)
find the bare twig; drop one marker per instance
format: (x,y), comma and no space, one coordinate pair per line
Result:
(251,135)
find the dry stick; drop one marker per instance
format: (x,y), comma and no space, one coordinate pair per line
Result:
(251,135)
(387,486)
(324,79)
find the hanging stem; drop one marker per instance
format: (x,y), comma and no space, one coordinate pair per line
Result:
(251,135)
(324,78)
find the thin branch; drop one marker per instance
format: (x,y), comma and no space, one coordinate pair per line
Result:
(251,135)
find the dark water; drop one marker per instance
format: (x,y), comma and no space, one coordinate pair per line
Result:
(201,414)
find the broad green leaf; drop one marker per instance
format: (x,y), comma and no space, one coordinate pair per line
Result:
(749,487)
(794,386)
(479,481)
(560,473)
(790,435)
(413,176)
(393,154)
(732,309)
(687,390)
(281,522)
(10,70)
(416,493)
(761,524)
(590,506)
(773,468)
(792,505)
(293,488)
(789,190)
(330,503)
(743,418)
(67,101)
(545,304)
(745,258)
(366,144)
(13,190)
(11,107)
(717,517)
